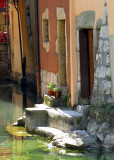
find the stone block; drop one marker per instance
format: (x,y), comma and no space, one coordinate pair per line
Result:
(63,119)
(82,108)
(35,117)
(93,127)
(109,140)
(85,20)
(87,139)
(51,101)
(60,14)
(45,15)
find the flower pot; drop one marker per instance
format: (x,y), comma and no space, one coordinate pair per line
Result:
(57,94)
(50,92)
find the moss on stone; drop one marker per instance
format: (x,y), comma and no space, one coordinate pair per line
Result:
(102,113)
(17,131)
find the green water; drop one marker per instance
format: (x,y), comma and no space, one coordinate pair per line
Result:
(13,100)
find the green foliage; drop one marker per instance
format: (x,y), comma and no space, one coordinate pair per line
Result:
(111,107)
(103,106)
(96,107)
(65,97)
(51,86)
(57,89)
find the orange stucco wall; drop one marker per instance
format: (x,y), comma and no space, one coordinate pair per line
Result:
(110,7)
(49,61)
(77,7)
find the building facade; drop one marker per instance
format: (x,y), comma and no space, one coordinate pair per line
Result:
(27,32)
(86,19)
(70,37)
(54,27)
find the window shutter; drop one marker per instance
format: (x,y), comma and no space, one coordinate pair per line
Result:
(91,62)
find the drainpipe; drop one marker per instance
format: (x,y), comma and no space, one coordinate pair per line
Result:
(17,8)
(37,48)
(20,42)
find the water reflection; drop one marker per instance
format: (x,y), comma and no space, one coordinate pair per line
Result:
(13,101)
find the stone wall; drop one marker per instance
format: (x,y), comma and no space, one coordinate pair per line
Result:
(102,79)
(101,124)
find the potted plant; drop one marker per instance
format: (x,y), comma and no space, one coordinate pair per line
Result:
(50,89)
(57,92)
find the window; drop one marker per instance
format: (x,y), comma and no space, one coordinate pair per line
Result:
(45,30)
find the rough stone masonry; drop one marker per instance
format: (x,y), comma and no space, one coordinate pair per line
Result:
(102,80)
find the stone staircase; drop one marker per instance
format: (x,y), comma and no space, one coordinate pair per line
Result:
(65,127)
(4,62)
(64,119)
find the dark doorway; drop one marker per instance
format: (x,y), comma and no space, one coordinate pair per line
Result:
(86,62)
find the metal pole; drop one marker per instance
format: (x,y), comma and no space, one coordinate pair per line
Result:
(20,42)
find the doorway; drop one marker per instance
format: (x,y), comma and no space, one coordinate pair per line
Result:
(86,62)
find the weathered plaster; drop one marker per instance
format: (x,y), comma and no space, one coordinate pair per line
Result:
(60,14)
(45,15)
(86,20)
(46,78)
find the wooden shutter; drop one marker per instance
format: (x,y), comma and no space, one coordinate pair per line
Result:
(84,64)
(91,61)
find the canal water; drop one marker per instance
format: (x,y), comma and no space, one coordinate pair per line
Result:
(22,146)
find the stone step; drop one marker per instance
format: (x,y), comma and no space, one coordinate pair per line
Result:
(82,108)
(77,139)
(51,101)
(43,116)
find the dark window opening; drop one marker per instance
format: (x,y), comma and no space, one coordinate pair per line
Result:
(45,30)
